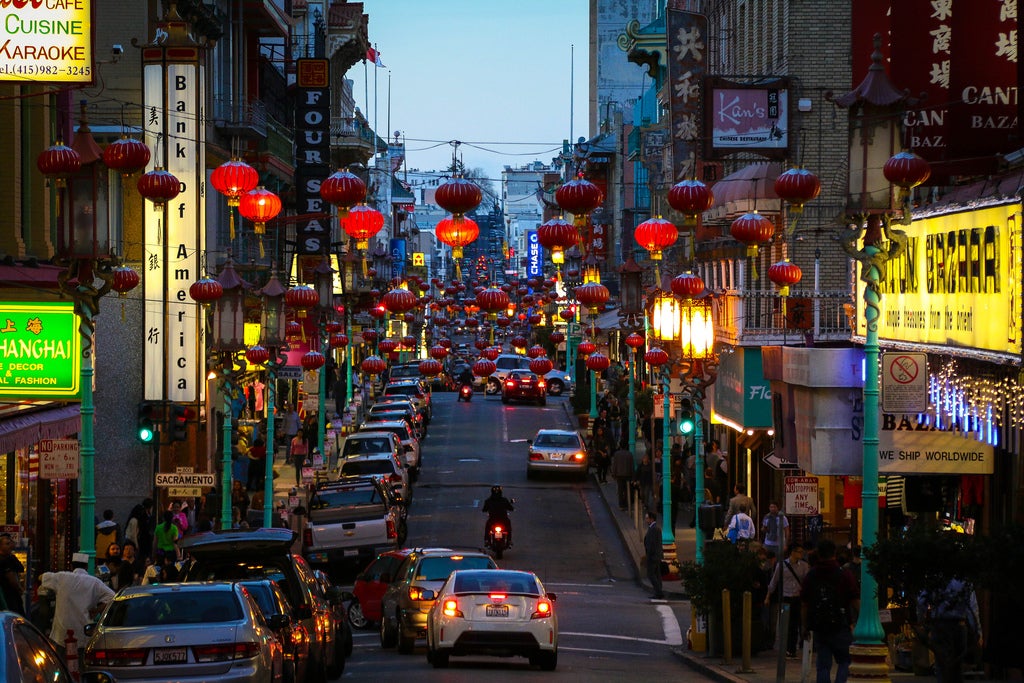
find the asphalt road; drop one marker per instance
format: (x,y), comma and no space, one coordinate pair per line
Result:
(609,630)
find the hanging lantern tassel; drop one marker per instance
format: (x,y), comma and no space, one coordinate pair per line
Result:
(261,228)
(784,292)
(752,255)
(231,224)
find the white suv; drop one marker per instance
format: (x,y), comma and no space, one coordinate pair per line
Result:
(558,381)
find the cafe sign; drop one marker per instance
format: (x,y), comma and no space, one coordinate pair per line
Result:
(40,351)
(47,42)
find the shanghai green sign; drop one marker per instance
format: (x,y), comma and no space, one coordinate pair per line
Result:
(40,351)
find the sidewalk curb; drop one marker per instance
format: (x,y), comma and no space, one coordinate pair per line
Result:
(713,671)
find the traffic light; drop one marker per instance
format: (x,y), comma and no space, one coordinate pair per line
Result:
(178,423)
(686,417)
(145,425)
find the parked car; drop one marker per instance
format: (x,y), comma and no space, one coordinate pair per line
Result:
(496,612)
(416,391)
(369,587)
(388,407)
(370,442)
(26,654)
(410,444)
(174,631)
(238,554)
(386,465)
(351,520)
(338,610)
(557,450)
(293,636)
(405,603)
(523,385)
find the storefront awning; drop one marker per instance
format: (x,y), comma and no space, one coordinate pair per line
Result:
(22,431)
(751,187)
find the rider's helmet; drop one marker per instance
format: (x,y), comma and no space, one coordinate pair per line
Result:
(495,490)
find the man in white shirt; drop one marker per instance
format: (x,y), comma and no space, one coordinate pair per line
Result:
(80,596)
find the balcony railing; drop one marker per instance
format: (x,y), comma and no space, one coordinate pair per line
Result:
(345,129)
(235,117)
(755,318)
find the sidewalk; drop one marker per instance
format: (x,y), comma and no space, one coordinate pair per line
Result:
(763,666)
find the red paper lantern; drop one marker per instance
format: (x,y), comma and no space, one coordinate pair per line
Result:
(362,223)
(655,356)
(58,161)
(491,352)
(557,235)
(292,328)
(598,362)
(690,198)
(378,311)
(481,345)
(586,347)
(373,365)
(458,196)
(655,234)
(535,351)
(906,170)
(398,300)
(457,233)
(339,340)
(797,186)
(369,336)
(158,186)
(484,368)
(206,290)
(430,367)
(344,190)
(301,298)
(126,155)
(541,365)
(409,317)
(567,314)
(472,323)
(233,179)
(635,341)
(535,318)
(492,300)
(784,274)
(519,342)
(439,352)
(557,337)
(687,285)
(579,197)
(592,295)
(409,341)
(257,355)
(333,327)
(124,280)
(752,229)
(445,342)
(503,321)
(259,206)
(312,360)
(387,345)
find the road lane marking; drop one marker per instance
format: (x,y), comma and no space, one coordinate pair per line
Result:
(581,585)
(632,639)
(673,634)
(604,652)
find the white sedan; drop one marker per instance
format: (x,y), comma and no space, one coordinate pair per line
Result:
(495,612)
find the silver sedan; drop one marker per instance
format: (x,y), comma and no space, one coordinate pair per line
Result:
(557,450)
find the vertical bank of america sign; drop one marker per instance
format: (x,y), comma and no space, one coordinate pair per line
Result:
(174,234)
(46,40)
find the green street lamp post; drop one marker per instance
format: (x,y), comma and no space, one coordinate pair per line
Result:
(323,283)
(272,328)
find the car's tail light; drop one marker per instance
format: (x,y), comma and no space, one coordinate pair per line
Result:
(395,478)
(451,608)
(578,456)
(225,652)
(392,532)
(112,658)
(498,529)
(541,384)
(534,455)
(510,385)
(307,537)
(497,597)
(542,610)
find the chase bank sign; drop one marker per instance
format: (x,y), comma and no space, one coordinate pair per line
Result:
(533,255)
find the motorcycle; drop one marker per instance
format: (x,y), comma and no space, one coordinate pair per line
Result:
(465,393)
(498,539)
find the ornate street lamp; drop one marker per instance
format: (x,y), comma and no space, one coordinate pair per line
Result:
(631,309)
(349,292)
(273,324)
(86,241)
(323,283)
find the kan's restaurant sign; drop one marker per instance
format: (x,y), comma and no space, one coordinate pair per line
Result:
(957,284)
(49,41)
(40,351)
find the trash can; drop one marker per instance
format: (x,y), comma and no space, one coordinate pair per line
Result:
(710,516)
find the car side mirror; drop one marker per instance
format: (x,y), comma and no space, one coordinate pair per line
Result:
(336,595)
(276,622)
(89,629)
(428,594)
(347,596)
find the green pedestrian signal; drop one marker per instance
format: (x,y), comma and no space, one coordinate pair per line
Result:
(686,417)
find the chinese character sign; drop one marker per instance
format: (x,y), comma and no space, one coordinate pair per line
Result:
(40,350)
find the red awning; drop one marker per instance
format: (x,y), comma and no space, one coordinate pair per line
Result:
(751,187)
(22,431)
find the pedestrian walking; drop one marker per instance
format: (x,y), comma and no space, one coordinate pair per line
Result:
(290,426)
(11,569)
(622,472)
(80,597)
(167,535)
(257,465)
(599,445)
(140,528)
(681,494)
(828,605)
(614,421)
(653,554)
(775,529)
(789,577)
(953,624)
(644,477)
(741,527)
(107,533)
(299,449)
(739,501)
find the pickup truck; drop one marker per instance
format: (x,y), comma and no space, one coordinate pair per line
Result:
(353,520)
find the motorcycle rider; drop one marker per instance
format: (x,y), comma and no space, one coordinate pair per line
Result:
(497,508)
(465,380)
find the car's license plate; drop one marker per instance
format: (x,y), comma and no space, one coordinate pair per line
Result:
(497,610)
(556,456)
(170,655)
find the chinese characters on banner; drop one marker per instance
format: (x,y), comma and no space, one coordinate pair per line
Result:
(686,34)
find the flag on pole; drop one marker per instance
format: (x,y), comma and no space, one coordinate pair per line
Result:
(374,56)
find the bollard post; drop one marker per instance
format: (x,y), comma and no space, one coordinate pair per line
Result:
(780,639)
(748,613)
(71,654)
(726,626)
